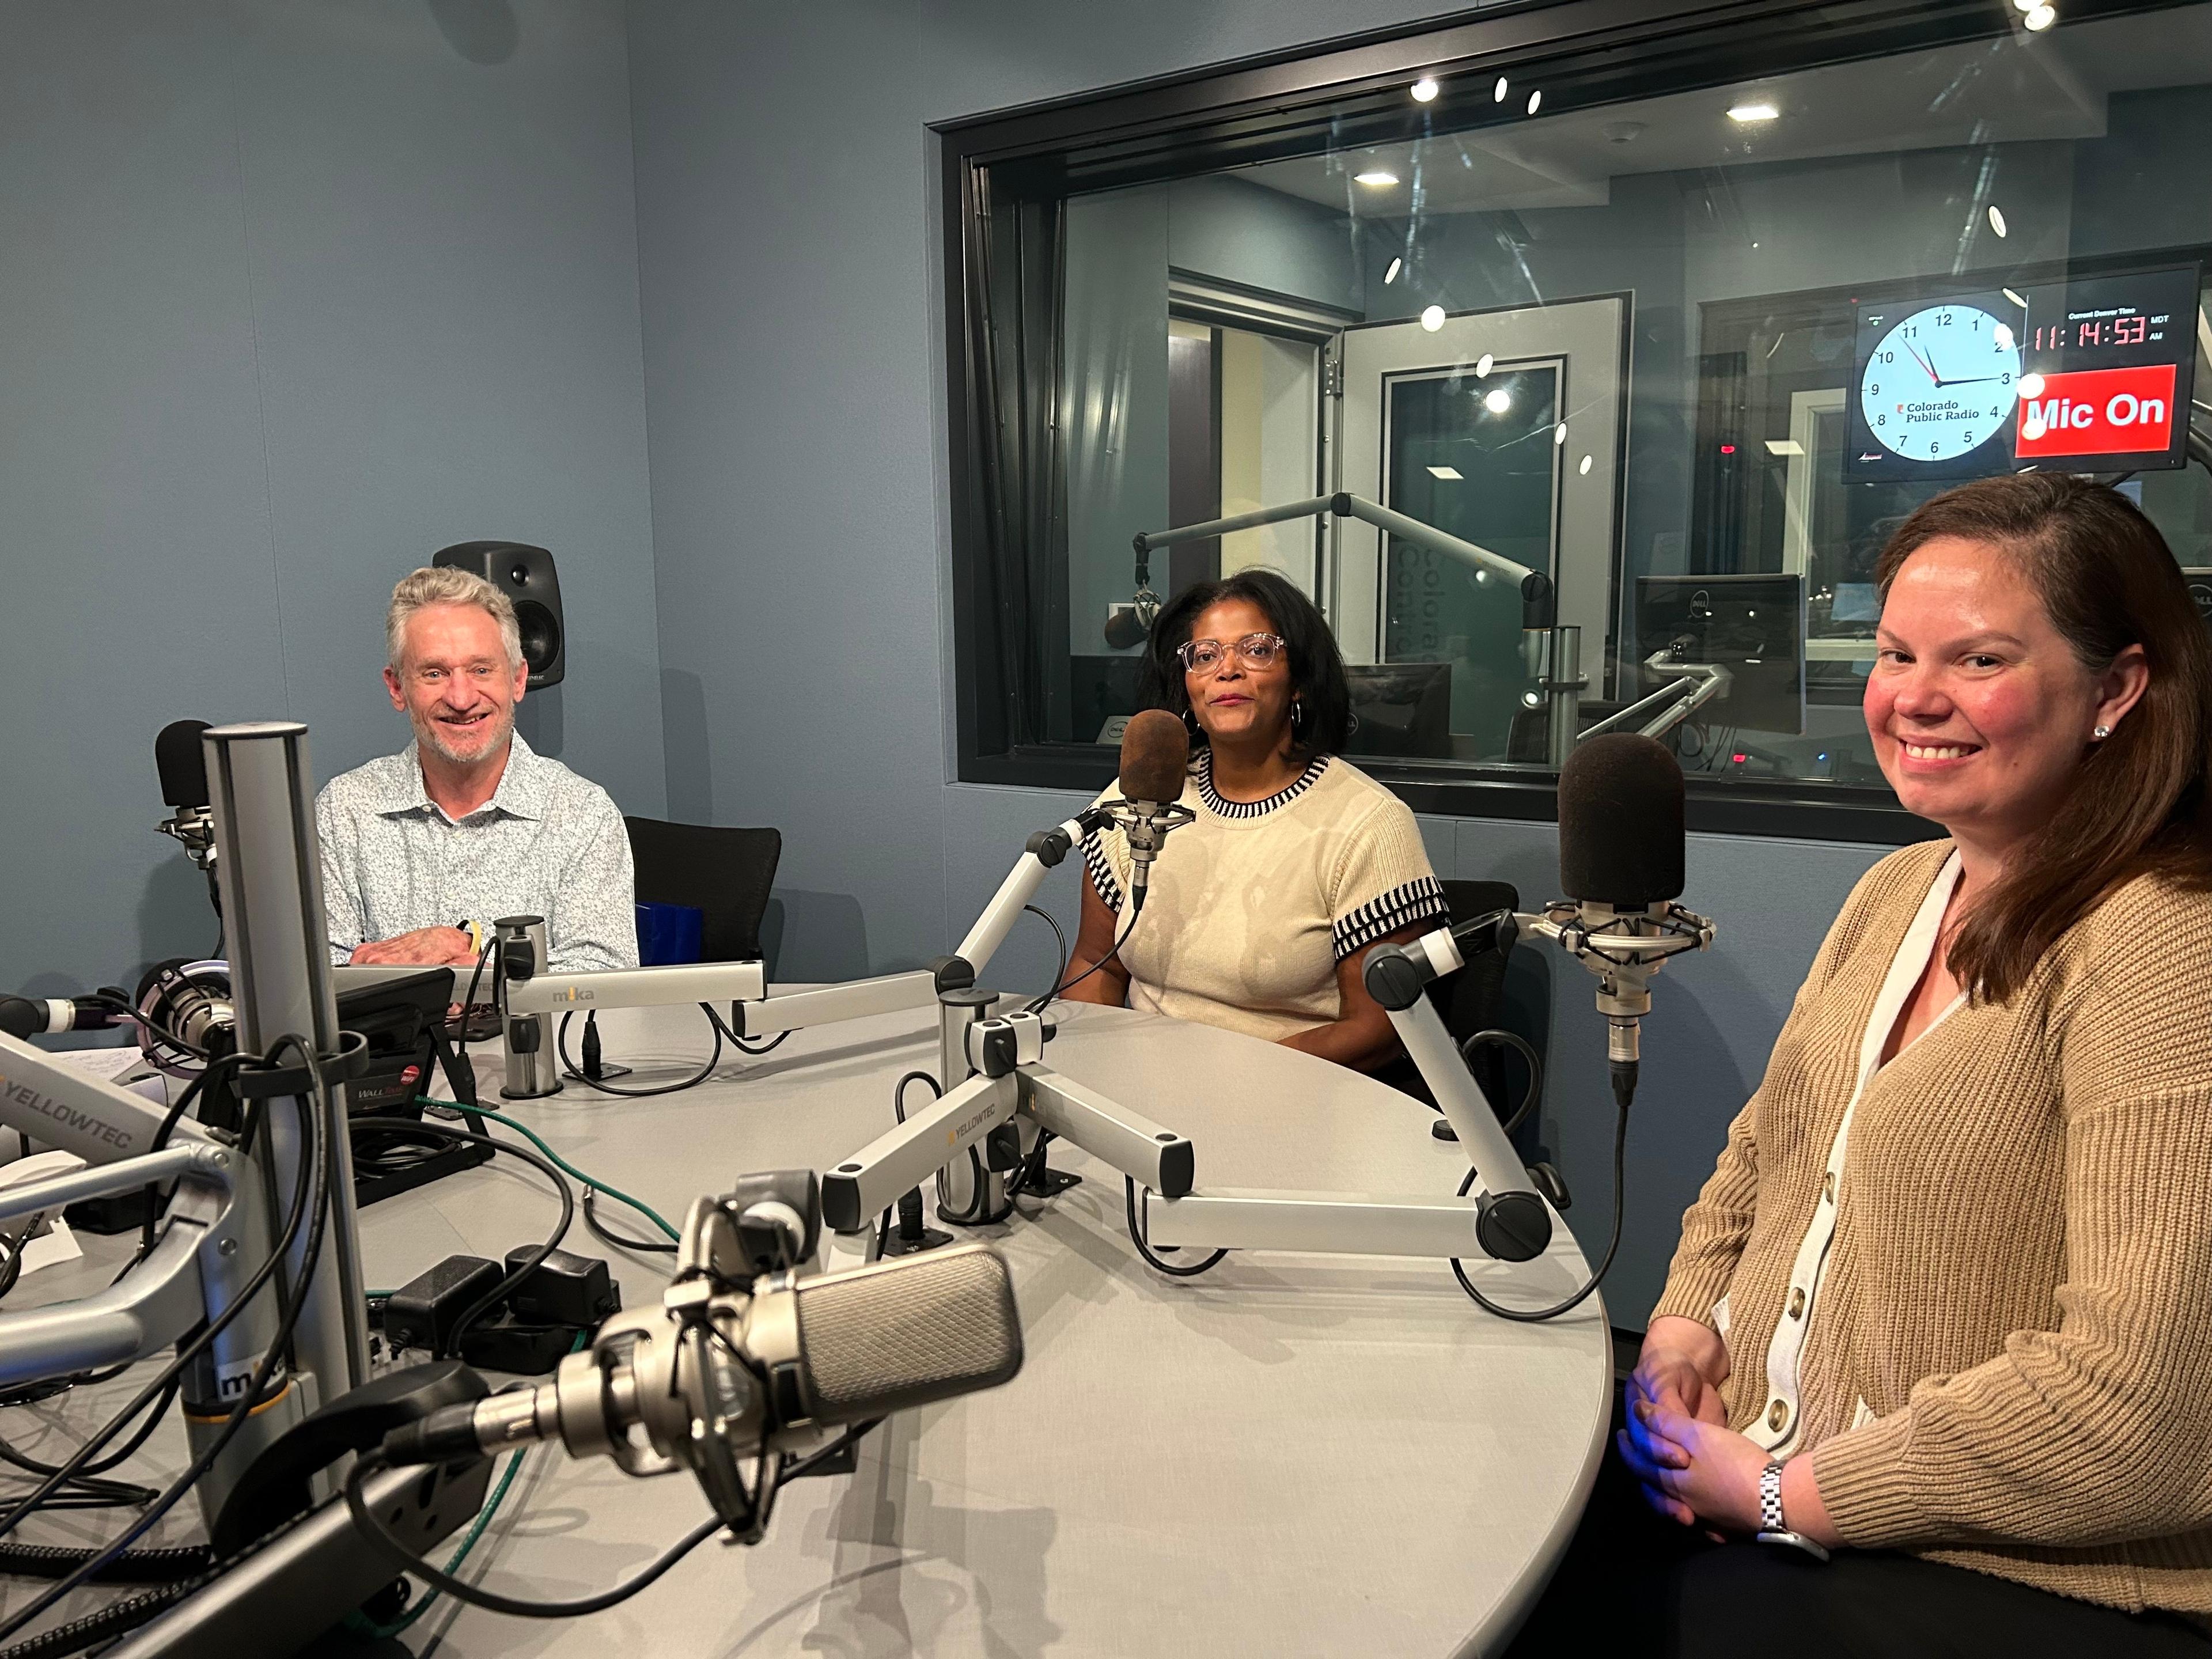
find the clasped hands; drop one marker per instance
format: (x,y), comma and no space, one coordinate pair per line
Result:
(427,947)
(1694,1469)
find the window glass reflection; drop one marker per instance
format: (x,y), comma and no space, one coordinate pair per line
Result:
(1690,350)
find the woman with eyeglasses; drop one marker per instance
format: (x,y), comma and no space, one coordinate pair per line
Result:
(1260,912)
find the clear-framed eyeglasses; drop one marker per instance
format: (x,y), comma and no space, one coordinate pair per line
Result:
(1255,651)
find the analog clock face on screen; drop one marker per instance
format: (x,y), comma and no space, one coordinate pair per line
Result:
(1942,382)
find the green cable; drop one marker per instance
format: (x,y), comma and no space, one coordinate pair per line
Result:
(360,1626)
(643,1209)
(352,1620)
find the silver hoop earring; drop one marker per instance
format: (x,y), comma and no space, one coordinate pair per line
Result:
(2100,734)
(1298,720)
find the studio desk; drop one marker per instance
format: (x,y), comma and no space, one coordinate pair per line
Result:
(1290,1455)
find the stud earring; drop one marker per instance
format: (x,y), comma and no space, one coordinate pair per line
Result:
(2100,734)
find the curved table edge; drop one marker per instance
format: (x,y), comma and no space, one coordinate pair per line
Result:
(1504,1620)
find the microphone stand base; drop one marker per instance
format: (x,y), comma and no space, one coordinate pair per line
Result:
(931,1239)
(1051,1183)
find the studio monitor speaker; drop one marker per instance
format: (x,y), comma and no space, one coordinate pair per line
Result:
(524,574)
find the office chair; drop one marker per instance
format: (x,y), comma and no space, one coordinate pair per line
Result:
(1469,1000)
(725,872)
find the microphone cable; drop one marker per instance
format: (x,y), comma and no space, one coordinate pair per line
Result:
(1140,1236)
(714,1058)
(370,1527)
(499,1292)
(1536,1316)
(1040,1004)
(312,1191)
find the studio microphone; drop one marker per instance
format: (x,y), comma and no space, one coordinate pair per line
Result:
(768,1367)
(30,1016)
(1621,865)
(182,762)
(1155,764)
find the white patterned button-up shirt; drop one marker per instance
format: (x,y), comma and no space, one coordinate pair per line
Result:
(547,843)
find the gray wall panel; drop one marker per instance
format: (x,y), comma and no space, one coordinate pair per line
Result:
(295,295)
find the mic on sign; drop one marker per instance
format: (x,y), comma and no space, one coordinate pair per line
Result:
(1621,864)
(182,762)
(1155,762)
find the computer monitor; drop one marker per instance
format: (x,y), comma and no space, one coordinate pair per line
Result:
(1752,626)
(1403,708)
(2200,591)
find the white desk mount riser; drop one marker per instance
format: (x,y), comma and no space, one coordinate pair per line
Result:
(996,1076)
(225,1215)
(1695,685)
(532,994)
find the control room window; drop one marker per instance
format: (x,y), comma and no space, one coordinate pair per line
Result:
(1685,329)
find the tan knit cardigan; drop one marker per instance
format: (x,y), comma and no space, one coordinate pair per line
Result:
(2019,1285)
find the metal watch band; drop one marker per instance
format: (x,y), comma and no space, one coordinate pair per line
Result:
(1769,1498)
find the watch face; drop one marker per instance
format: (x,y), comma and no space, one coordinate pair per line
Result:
(1942,382)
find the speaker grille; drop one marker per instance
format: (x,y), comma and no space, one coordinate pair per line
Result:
(903,1334)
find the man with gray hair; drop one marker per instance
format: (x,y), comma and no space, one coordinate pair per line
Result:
(424,850)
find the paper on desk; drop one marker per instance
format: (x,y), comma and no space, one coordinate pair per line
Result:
(104,1063)
(52,1241)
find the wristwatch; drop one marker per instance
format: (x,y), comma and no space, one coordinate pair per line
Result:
(1772,1530)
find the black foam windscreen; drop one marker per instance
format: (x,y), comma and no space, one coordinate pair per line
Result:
(1620,822)
(898,1334)
(182,762)
(1155,756)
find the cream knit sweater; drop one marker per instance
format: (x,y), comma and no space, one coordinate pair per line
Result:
(2017,1303)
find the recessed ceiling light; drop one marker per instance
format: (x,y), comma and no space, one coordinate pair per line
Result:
(1996,219)
(2042,18)
(1391,275)
(1497,401)
(1375,177)
(1424,90)
(1433,319)
(1535,98)
(1784,446)
(1750,112)
(2026,5)
(2002,336)
(1482,365)
(1559,434)
(2030,386)
(2013,297)
(1587,462)
(1448,474)
(1497,92)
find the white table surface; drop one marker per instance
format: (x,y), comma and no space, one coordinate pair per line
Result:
(1288,1455)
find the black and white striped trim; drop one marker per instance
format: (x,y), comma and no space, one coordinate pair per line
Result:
(1253,809)
(1102,869)
(1417,901)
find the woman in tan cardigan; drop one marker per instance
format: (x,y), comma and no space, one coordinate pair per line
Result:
(1943,1312)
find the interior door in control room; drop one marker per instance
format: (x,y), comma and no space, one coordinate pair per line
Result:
(1504,429)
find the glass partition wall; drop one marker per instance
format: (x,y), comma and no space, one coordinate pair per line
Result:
(1685,314)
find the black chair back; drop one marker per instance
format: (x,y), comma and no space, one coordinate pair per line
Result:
(1468,1001)
(725,872)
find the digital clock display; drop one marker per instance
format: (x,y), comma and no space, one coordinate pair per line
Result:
(2105,369)
(2094,331)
